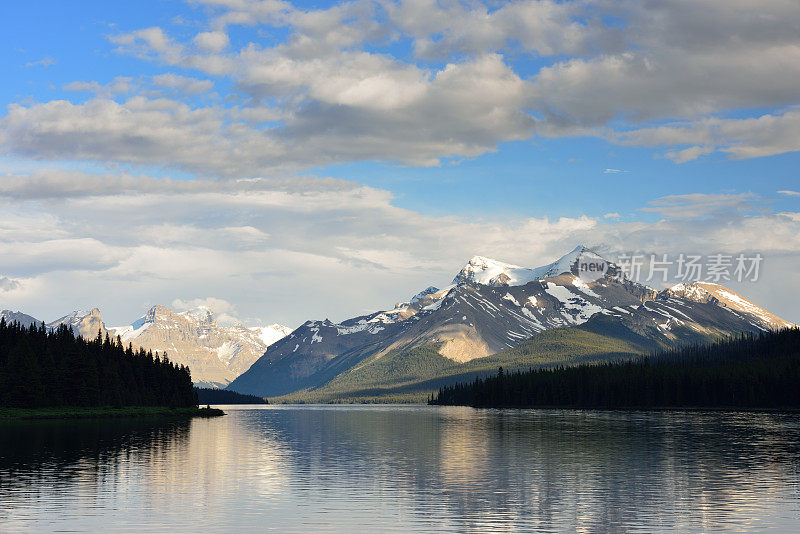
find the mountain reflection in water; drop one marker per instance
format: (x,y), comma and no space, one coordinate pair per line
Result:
(404,468)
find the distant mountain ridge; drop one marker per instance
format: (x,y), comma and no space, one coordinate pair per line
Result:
(492,306)
(86,324)
(22,318)
(215,354)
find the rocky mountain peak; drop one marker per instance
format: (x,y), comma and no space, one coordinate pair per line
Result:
(84,323)
(215,354)
(19,317)
(495,273)
(201,314)
(422,294)
(722,296)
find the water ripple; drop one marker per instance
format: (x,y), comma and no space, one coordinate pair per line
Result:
(403,468)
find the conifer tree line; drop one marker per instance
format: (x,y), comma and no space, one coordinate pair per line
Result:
(224,396)
(46,368)
(746,371)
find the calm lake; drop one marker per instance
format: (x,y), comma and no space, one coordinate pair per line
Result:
(404,468)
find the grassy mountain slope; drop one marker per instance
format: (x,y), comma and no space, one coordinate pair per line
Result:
(410,375)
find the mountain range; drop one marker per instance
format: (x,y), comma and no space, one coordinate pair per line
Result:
(215,354)
(494,313)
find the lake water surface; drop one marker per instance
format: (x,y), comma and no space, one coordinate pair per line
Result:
(404,468)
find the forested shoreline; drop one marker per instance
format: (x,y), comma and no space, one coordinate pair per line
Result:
(224,396)
(747,371)
(42,368)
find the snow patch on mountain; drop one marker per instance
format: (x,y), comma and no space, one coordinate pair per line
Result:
(486,271)
(131,331)
(19,317)
(215,354)
(584,287)
(201,314)
(720,295)
(578,310)
(84,323)
(435,306)
(272,333)
(425,292)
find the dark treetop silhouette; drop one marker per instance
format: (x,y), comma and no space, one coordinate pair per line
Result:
(50,368)
(748,371)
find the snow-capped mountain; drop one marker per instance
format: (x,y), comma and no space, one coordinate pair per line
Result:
(492,306)
(495,273)
(727,298)
(83,323)
(271,333)
(18,317)
(215,354)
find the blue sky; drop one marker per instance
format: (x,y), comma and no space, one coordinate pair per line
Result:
(388,141)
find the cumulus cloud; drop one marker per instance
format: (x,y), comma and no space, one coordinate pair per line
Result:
(465,109)
(184,84)
(8,284)
(680,61)
(141,131)
(334,86)
(542,27)
(150,43)
(214,42)
(676,76)
(118,86)
(766,135)
(286,249)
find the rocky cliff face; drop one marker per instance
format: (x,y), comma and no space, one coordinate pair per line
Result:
(726,298)
(83,323)
(215,354)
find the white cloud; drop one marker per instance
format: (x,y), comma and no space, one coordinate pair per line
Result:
(213,42)
(119,85)
(9,284)
(766,135)
(465,109)
(790,193)
(184,84)
(644,74)
(45,62)
(681,77)
(697,205)
(224,312)
(289,250)
(214,304)
(150,43)
(140,131)
(541,27)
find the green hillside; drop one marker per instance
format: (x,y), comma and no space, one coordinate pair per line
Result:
(411,375)
(747,371)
